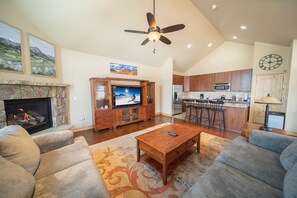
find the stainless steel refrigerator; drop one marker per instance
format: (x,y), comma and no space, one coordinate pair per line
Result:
(177,99)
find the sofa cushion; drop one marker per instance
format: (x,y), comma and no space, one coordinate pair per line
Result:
(17,146)
(257,162)
(63,158)
(289,156)
(290,183)
(221,180)
(271,141)
(15,181)
(81,180)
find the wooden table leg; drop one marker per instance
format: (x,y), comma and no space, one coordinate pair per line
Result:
(198,144)
(164,174)
(138,151)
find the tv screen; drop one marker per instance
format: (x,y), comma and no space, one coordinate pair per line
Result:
(125,96)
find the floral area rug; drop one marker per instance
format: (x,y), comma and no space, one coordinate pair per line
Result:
(124,177)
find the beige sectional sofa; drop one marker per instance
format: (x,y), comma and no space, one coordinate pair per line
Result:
(48,165)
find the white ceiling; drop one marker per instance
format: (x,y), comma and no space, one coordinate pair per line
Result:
(270,21)
(96,26)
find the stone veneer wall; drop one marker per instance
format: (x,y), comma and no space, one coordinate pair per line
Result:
(19,89)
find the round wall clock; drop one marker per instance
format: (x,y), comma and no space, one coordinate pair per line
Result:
(270,62)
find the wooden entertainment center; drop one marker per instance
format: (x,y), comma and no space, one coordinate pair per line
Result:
(106,115)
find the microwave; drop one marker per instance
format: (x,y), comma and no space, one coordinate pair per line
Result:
(222,87)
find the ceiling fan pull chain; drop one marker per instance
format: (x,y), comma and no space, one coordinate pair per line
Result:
(154,5)
(154,51)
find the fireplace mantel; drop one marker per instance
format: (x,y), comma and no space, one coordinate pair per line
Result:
(21,89)
(32,83)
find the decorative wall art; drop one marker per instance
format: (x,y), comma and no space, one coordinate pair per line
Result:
(42,56)
(10,48)
(123,69)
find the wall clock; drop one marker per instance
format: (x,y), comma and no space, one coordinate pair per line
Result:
(270,62)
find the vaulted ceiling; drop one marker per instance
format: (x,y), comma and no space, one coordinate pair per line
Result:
(96,26)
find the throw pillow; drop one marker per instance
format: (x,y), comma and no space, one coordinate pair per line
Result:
(288,157)
(17,146)
(290,183)
(15,181)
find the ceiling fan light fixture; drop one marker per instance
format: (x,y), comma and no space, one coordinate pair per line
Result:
(154,35)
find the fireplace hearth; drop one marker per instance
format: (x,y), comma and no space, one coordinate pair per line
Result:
(32,114)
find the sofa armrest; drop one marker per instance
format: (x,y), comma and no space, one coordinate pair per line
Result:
(54,140)
(270,141)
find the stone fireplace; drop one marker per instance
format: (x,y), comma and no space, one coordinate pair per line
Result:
(19,89)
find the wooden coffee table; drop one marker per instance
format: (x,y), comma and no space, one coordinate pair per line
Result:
(164,148)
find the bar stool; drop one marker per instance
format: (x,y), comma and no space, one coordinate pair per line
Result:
(216,107)
(188,115)
(202,109)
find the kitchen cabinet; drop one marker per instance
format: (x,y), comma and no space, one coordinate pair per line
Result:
(202,82)
(186,83)
(241,80)
(177,80)
(222,77)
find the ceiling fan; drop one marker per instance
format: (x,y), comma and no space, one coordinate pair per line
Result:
(154,32)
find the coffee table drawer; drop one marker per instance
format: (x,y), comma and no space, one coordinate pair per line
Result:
(176,152)
(192,141)
(151,152)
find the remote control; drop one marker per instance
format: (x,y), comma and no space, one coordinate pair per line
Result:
(172,134)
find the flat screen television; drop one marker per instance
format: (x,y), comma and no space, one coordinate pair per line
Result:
(126,96)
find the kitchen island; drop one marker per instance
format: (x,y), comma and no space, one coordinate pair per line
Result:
(236,114)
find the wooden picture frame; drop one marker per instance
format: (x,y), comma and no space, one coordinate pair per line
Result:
(11,56)
(42,57)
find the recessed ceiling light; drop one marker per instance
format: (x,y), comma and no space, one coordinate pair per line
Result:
(214,6)
(243,27)
(234,37)
(189,45)
(209,45)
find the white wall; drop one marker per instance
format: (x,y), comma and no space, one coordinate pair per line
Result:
(13,17)
(291,123)
(166,73)
(227,57)
(79,67)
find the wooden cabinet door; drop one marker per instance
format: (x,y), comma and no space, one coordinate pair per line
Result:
(235,81)
(246,80)
(103,119)
(193,83)
(208,82)
(151,111)
(222,77)
(186,83)
(178,80)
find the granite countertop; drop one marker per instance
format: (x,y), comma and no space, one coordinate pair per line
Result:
(226,104)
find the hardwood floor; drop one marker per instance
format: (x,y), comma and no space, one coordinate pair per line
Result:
(93,137)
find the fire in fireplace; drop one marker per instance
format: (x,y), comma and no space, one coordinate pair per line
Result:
(32,114)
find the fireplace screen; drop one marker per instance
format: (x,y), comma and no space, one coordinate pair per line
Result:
(32,114)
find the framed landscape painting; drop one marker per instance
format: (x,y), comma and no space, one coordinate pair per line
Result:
(123,69)
(10,48)
(42,56)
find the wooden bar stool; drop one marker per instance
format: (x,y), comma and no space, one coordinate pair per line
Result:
(216,107)
(202,109)
(188,115)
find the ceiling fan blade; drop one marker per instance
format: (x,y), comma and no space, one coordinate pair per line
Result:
(173,28)
(165,40)
(136,31)
(151,20)
(145,41)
